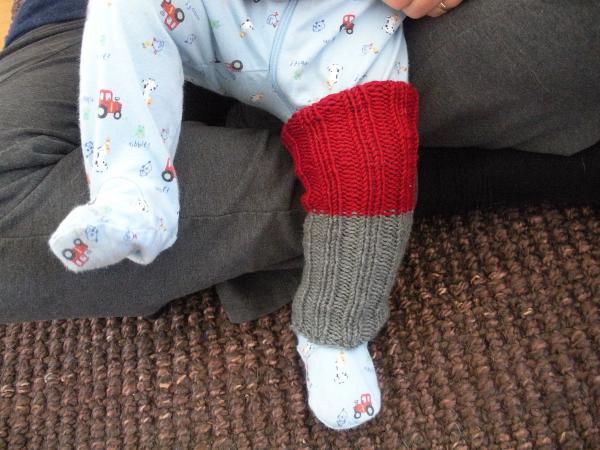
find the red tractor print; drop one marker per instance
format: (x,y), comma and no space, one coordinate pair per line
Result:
(78,254)
(108,105)
(174,16)
(365,406)
(348,23)
(235,66)
(169,173)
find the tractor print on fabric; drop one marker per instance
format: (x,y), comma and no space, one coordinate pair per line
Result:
(78,254)
(168,174)
(233,67)
(363,406)
(173,15)
(348,23)
(106,104)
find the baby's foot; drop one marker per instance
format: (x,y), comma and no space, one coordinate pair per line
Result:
(342,384)
(117,224)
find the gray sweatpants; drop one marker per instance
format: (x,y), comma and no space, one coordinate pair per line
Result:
(243,229)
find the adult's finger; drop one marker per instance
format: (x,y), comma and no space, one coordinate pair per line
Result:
(419,8)
(439,11)
(416,9)
(398,4)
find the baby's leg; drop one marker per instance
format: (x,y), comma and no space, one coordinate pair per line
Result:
(130,114)
(355,152)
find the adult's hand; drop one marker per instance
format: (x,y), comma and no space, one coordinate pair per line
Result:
(415,9)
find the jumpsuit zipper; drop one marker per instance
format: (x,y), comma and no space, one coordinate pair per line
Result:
(276,51)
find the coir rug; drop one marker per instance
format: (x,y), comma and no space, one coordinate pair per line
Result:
(493,343)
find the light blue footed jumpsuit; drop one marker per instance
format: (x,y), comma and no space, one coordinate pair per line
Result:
(273,54)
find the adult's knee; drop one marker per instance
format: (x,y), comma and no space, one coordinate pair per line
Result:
(509,74)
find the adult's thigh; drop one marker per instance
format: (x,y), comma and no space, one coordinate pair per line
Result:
(38,125)
(512,74)
(239,198)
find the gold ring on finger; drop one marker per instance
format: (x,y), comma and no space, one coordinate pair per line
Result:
(443,6)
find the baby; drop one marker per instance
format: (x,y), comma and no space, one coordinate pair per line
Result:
(336,73)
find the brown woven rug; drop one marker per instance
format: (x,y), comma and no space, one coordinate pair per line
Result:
(493,342)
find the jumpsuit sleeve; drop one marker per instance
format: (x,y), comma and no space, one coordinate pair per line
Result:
(131,90)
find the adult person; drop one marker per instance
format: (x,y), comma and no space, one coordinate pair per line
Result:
(487,77)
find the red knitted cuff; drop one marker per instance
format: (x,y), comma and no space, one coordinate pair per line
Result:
(355,152)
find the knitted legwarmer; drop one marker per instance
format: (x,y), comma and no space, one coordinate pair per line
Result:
(355,153)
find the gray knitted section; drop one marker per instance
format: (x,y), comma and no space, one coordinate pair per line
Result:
(349,270)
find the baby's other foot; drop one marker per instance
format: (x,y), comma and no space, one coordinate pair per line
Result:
(117,224)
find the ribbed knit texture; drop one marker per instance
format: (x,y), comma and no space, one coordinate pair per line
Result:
(349,269)
(355,152)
